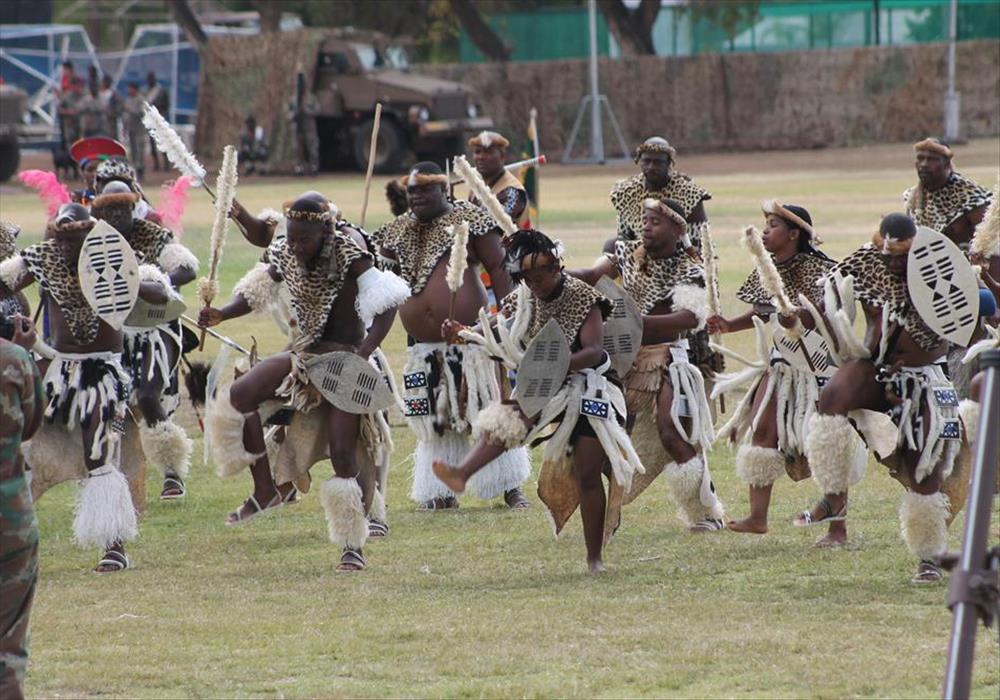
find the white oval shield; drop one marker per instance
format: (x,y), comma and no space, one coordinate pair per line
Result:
(146,315)
(109,274)
(942,286)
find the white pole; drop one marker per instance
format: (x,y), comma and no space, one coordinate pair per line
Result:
(174,73)
(596,130)
(951,97)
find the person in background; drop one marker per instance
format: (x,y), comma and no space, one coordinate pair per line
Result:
(156,95)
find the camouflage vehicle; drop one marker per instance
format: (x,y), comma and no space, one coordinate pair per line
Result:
(422,117)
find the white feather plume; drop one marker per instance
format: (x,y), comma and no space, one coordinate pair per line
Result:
(485,195)
(458,261)
(170,144)
(225,186)
(986,240)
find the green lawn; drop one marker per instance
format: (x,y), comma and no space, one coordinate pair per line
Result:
(482,602)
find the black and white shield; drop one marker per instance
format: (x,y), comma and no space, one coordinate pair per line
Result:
(109,274)
(623,329)
(349,382)
(808,352)
(146,315)
(543,369)
(943,286)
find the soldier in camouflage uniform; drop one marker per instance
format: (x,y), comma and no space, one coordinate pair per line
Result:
(21,405)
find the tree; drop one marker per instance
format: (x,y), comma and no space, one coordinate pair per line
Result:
(632,29)
(731,17)
(270,15)
(185,17)
(481,34)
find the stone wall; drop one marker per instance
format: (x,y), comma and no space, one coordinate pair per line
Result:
(749,101)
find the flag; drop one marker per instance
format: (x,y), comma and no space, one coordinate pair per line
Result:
(529,175)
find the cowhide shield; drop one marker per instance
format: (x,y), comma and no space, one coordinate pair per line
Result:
(109,274)
(146,315)
(808,352)
(349,382)
(543,369)
(623,329)
(943,286)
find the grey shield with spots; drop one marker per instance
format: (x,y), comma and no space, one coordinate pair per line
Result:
(109,274)
(543,369)
(349,382)
(146,315)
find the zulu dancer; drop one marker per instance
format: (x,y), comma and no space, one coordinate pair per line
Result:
(86,385)
(782,396)
(89,153)
(665,392)
(658,180)
(489,151)
(261,231)
(152,354)
(584,418)
(446,386)
(109,171)
(336,292)
(899,370)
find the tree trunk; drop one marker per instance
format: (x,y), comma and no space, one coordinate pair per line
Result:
(270,15)
(185,17)
(632,29)
(485,39)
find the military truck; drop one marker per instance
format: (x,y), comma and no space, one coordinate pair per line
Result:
(422,117)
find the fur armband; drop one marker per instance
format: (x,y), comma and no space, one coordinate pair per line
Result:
(693,299)
(379,291)
(258,288)
(501,425)
(151,273)
(175,256)
(13,271)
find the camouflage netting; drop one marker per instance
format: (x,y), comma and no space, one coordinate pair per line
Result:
(243,75)
(750,101)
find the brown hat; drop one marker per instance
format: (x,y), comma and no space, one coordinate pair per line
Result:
(488,139)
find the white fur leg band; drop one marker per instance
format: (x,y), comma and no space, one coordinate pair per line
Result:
(759,466)
(13,271)
(104,513)
(168,447)
(968,410)
(686,482)
(258,288)
(923,522)
(831,448)
(345,512)
(501,425)
(377,511)
(224,433)
(378,292)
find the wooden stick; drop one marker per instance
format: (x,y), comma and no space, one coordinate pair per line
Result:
(371,161)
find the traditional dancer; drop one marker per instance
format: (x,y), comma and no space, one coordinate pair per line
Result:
(489,151)
(446,386)
(89,153)
(898,370)
(782,396)
(665,392)
(658,180)
(86,384)
(584,419)
(152,354)
(336,292)
(270,225)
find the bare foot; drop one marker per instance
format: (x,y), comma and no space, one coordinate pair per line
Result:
(834,538)
(596,567)
(451,478)
(749,525)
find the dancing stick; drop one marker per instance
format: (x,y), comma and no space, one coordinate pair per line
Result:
(218,336)
(208,287)
(371,161)
(526,163)
(485,195)
(712,285)
(172,146)
(458,261)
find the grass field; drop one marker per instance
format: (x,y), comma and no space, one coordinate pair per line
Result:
(481,602)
